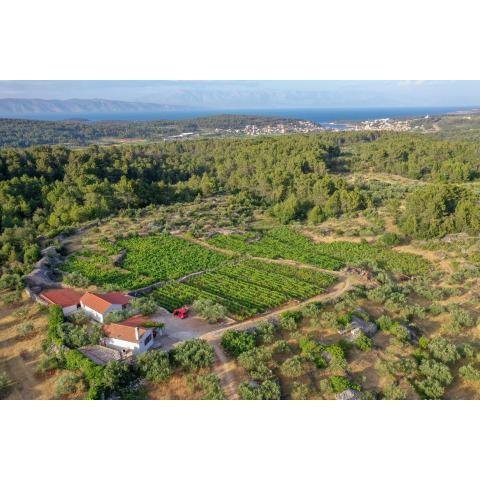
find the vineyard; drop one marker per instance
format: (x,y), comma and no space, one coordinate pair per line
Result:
(147,260)
(284,242)
(247,288)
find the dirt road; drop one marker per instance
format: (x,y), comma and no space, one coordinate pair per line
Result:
(225,367)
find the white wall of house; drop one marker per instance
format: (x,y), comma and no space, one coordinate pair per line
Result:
(70,309)
(139,347)
(99,317)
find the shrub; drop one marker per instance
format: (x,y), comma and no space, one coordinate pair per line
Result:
(194,354)
(290,321)
(118,378)
(154,366)
(441,349)
(293,367)
(66,385)
(468,351)
(338,359)
(300,391)
(268,390)
(24,329)
(144,305)
(437,370)
(390,239)
(76,279)
(469,372)
(460,319)
(55,324)
(312,311)
(363,342)
(265,332)
(210,311)
(47,364)
(384,323)
(236,342)
(4,384)
(74,336)
(250,359)
(211,387)
(394,392)
(423,342)
(430,388)
(339,384)
(280,346)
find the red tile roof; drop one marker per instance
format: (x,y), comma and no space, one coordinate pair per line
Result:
(126,330)
(100,302)
(65,297)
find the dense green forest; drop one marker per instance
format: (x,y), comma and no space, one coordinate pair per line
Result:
(25,133)
(417,156)
(45,190)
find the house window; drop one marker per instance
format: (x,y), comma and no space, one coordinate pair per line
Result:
(124,307)
(148,339)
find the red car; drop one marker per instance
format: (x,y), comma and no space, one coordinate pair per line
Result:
(181,312)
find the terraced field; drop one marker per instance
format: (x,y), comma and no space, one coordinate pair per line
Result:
(247,288)
(147,260)
(284,242)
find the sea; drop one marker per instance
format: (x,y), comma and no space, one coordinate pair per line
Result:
(335,118)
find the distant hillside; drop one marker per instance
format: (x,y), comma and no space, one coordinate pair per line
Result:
(25,133)
(25,106)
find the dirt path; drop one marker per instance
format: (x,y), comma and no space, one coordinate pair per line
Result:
(225,367)
(225,370)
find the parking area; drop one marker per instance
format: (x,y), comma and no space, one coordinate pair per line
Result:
(178,329)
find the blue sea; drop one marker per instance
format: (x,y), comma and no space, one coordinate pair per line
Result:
(323,116)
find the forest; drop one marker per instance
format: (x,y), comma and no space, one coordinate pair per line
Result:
(46,190)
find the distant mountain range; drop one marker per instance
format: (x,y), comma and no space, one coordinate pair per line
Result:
(25,106)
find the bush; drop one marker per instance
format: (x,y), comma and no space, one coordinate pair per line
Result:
(154,366)
(268,390)
(211,387)
(437,370)
(390,239)
(75,336)
(430,388)
(470,373)
(293,367)
(118,379)
(300,391)
(194,354)
(144,305)
(460,319)
(93,373)
(441,349)
(363,342)
(250,359)
(210,311)
(24,329)
(384,323)
(394,392)
(290,321)
(265,332)
(76,279)
(66,385)
(236,342)
(55,324)
(339,384)
(4,384)
(423,342)
(47,364)
(312,350)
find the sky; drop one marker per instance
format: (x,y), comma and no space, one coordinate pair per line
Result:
(256,94)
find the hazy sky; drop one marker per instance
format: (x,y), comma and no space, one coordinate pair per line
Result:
(264,94)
